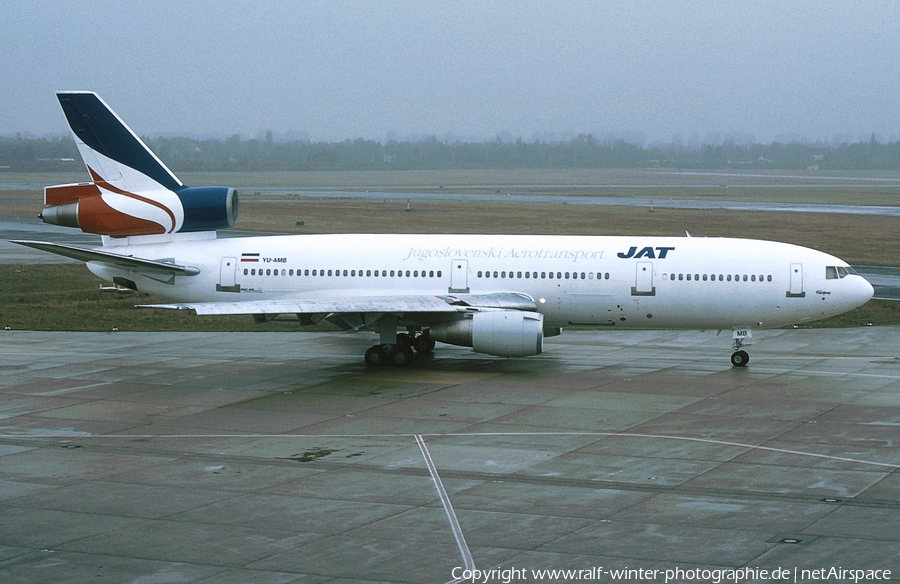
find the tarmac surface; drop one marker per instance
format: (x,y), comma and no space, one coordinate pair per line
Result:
(267,457)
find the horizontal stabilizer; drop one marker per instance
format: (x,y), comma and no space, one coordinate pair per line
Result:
(120,261)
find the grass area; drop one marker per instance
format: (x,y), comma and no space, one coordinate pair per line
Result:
(857,239)
(67,297)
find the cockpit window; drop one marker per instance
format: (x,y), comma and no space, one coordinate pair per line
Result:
(835,272)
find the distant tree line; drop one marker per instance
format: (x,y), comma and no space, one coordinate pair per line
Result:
(20,153)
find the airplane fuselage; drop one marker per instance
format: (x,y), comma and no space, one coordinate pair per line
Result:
(622,282)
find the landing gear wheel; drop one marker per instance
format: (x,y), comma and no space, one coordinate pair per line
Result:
(740,358)
(404,340)
(375,356)
(423,343)
(402,356)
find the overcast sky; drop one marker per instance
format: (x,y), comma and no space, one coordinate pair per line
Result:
(780,70)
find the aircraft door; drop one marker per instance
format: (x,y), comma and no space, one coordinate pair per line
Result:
(459,276)
(796,289)
(643,280)
(227,276)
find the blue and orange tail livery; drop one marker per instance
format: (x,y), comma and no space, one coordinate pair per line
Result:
(131,191)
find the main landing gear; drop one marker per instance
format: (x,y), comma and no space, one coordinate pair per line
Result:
(400,353)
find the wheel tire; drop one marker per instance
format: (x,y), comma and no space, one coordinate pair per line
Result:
(375,356)
(423,344)
(740,358)
(404,340)
(402,356)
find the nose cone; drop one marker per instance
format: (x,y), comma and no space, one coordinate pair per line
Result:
(862,291)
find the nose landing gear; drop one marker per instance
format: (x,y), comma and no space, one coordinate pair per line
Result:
(740,357)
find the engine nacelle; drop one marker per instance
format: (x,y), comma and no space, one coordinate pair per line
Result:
(118,213)
(209,208)
(504,333)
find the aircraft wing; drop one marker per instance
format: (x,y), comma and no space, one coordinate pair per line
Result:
(380,304)
(362,305)
(120,261)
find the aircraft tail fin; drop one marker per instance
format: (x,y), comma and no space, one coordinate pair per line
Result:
(112,152)
(131,191)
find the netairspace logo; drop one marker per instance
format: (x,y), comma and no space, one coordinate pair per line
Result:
(702,575)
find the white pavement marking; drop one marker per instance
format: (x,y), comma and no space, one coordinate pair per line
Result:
(448,508)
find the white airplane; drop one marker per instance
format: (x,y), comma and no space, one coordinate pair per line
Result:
(499,294)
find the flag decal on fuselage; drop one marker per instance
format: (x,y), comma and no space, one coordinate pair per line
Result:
(249,257)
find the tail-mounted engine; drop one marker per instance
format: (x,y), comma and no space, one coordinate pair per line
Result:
(106,210)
